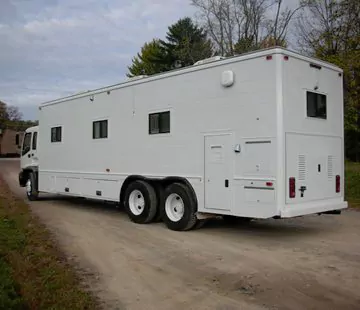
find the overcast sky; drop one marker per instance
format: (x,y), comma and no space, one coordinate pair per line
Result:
(53,48)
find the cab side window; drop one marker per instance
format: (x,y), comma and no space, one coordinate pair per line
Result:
(34,141)
(27,143)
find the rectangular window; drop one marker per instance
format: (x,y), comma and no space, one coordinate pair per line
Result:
(56,134)
(26,143)
(159,123)
(17,139)
(316,105)
(100,129)
(34,141)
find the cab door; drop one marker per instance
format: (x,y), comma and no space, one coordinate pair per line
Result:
(29,150)
(34,153)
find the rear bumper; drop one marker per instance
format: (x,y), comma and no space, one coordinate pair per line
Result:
(292,210)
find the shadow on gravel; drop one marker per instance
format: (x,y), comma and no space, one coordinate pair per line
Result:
(270,228)
(83,203)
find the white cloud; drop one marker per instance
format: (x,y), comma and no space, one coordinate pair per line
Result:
(52,48)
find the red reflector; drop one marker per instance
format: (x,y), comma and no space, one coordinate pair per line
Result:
(292,187)
(338,184)
(286,57)
(268,57)
(269,183)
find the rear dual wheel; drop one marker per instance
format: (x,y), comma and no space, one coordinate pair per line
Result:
(176,205)
(179,207)
(141,202)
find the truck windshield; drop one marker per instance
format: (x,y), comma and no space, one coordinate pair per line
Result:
(26,144)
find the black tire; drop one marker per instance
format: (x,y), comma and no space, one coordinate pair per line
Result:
(31,189)
(150,202)
(234,220)
(200,224)
(188,219)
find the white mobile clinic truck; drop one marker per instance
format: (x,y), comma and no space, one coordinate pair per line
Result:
(253,136)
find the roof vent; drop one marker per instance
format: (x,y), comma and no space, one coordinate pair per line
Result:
(134,78)
(207,60)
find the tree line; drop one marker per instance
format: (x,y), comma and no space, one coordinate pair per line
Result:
(326,29)
(11,118)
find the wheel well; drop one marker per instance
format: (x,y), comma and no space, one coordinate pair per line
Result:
(163,182)
(26,173)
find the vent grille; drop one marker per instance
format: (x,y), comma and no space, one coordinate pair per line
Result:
(302,167)
(330,167)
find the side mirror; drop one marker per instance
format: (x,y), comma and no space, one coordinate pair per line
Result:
(237,148)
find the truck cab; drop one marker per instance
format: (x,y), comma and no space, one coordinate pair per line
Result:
(28,176)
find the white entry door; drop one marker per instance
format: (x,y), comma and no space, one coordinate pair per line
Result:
(218,171)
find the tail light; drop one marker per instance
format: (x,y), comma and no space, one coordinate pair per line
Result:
(292,186)
(338,184)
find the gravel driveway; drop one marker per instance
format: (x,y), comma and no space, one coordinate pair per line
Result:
(305,263)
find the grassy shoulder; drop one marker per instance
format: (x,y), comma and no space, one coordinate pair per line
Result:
(352,183)
(33,272)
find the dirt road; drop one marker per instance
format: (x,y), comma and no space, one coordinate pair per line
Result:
(304,263)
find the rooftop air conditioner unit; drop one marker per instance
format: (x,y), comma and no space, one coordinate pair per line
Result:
(207,60)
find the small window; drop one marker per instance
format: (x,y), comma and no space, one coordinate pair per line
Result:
(26,143)
(56,134)
(159,123)
(316,105)
(17,139)
(34,141)
(100,129)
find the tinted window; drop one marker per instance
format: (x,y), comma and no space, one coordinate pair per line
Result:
(100,129)
(316,105)
(26,144)
(56,134)
(34,141)
(159,123)
(17,139)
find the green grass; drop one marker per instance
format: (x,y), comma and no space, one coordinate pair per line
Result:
(10,297)
(33,272)
(352,183)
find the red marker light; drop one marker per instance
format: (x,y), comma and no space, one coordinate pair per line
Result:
(286,58)
(292,187)
(268,57)
(337,185)
(269,183)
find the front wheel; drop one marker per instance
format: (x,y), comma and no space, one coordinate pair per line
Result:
(31,187)
(179,208)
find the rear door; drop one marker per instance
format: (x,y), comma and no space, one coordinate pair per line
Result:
(313,125)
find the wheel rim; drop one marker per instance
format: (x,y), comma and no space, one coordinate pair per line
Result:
(136,202)
(28,187)
(174,207)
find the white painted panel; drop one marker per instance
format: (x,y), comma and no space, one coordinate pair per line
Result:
(198,104)
(307,160)
(259,195)
(259,157)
